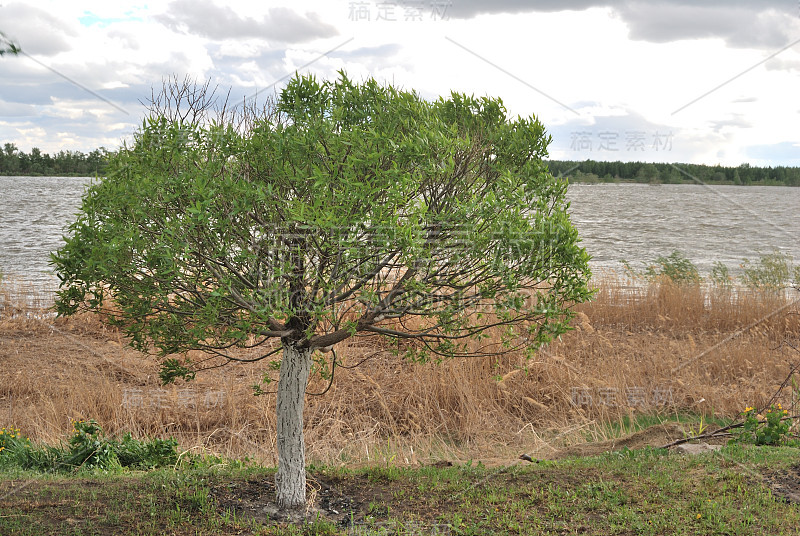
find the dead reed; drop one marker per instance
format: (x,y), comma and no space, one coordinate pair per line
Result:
(658,348)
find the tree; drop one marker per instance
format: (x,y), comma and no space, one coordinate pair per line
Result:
(10,149)
(338,210)
(647,173)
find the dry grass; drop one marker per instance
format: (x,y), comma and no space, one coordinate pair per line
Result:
(653,349)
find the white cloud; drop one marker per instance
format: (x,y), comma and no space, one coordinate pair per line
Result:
(594,65)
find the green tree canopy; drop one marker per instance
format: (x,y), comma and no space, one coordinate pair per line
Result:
(339,210)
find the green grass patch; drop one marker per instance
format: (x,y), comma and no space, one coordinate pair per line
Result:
(647,491)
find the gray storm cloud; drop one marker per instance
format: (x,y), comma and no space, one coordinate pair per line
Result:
(35,30)
(755,25)
(208,19)
(741,23)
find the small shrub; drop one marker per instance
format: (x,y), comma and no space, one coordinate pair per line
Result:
(773,271)
(676,267)
(89,448)
(721,275)
(772,428)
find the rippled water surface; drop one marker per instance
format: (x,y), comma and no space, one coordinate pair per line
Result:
(617,221)
(34,212)
(638,223)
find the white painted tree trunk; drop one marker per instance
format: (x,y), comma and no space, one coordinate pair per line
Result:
(290,480)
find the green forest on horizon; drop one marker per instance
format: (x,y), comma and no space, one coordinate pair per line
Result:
(593,171)
(62,164)
(78,164)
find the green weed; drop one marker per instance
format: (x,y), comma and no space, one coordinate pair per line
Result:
(773,271)
(772,428)
(88,448)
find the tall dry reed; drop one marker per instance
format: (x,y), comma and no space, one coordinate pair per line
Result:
(655,349)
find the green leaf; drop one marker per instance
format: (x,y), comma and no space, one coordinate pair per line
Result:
(172,369)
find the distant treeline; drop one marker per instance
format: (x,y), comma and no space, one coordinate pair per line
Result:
(64,163)
(593,171)
(75,163)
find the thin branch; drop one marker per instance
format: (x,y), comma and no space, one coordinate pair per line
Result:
(333,371)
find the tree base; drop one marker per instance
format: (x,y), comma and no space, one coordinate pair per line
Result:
(297,516)
(254,500)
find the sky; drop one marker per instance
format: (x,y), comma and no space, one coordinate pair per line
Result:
(707,82)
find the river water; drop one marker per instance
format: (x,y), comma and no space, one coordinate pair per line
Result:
(631,222)
(34,212)
(730,224)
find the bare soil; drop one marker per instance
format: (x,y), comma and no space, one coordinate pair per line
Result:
(655,437)
(785,483)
